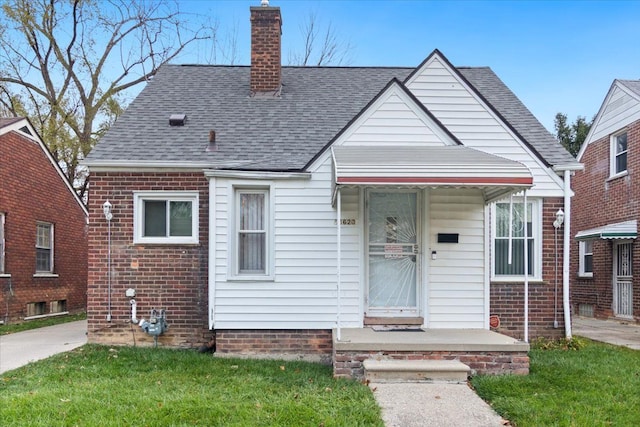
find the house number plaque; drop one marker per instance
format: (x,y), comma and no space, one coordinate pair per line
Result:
(346,221)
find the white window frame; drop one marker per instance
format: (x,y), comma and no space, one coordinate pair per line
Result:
(167,196)
(583,253)
(234,268)
(2,245)
(613,173)
(50,248)
(536,233)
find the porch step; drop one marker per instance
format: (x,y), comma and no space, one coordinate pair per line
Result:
(398,371)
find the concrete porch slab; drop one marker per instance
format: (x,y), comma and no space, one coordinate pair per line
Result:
(458,340)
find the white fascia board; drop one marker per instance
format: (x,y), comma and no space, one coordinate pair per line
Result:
(596,121)
(256,174)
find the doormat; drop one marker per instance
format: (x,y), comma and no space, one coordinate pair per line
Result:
(395,329)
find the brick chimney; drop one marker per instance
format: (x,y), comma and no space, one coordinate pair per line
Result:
(266,29)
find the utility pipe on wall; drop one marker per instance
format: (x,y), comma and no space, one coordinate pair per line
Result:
(106,209)
(565,253)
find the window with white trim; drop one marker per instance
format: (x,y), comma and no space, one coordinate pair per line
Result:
(508,240)
(2,245)
(252,234)
(44,247)
(619,154)
(166,217)
(585,264)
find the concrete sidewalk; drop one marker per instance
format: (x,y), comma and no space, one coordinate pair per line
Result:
(22,348)
(433,404)
(614,332)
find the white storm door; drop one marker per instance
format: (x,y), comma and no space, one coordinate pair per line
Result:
(392,247)
(622,280)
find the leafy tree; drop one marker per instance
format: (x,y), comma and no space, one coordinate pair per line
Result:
(571,136)
(69,65)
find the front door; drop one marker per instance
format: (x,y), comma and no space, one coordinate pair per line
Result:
(392,247)
(622,280)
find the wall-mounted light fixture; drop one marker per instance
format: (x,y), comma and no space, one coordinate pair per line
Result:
(559,219)
(106,209)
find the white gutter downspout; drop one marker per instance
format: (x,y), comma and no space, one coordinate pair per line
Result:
(565,253)
(526,270)
(339,285)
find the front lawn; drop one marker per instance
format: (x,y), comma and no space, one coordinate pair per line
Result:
(131,386)
(597,385)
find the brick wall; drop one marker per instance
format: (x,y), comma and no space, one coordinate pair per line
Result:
(600,201)
(298,341)
(507,299)
(170,277)
(33,191)
(348,364)
(266,25)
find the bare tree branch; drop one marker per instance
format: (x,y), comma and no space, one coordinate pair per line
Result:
(68,64)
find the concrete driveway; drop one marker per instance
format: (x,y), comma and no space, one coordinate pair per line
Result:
(22,348)
(616,332)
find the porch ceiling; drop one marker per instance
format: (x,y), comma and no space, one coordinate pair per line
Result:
(430,167)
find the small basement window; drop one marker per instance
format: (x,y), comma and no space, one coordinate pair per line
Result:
(36,308)
(59,306)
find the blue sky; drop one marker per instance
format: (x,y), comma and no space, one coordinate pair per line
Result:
(556,56)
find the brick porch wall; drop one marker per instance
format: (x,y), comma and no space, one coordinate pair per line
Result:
(299,341)
(348,364)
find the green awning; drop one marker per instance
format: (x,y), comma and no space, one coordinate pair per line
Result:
(619,230)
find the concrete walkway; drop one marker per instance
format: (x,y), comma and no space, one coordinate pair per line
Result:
(21,348)
(614,332)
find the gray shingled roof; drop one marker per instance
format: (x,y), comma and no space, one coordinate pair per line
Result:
(267,133)
(6,121)
(633,85)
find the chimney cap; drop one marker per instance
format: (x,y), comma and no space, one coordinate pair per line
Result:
(264,3)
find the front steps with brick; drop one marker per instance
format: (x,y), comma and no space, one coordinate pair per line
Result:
(398,371)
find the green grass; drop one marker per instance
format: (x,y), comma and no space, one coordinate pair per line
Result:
(132,386)
(12,328)
(594,385)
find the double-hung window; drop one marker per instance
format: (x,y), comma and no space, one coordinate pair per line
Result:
(252,240)
(586,259)
(44,247)
(166,217)
(508,235)
(619,154)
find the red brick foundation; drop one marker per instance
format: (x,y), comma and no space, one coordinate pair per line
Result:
(269,341)
(348,364)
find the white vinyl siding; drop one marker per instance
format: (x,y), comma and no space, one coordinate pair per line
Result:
(620,110)
(475,125)
(302,292)
(456,288)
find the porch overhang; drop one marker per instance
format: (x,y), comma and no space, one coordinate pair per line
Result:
(618,230)
(429,167)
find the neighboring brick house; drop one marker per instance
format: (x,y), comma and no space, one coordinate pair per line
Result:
(606,256)
(268,207)
(43,230)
